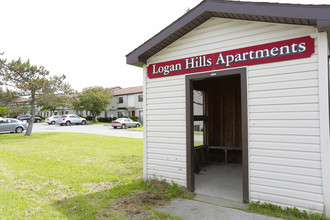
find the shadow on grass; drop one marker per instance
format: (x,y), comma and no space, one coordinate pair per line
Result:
(95,205)
(91,206)
(123,201)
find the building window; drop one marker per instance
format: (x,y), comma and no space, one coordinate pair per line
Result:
(120,114)
(120,100)
(140,98)
(199,118)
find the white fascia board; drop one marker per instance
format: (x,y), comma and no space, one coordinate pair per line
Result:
(145,128)
(323,65)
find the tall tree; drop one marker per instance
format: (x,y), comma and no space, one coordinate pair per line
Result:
(95,99)
(30,80)
(75,103)
(7,96)
(50,101)
(4,111)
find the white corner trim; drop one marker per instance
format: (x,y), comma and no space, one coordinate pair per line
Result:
(248,128)
(322,49)
(145,164)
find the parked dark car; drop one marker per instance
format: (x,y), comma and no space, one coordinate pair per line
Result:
(27,118)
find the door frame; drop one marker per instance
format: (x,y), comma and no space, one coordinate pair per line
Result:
(190,120)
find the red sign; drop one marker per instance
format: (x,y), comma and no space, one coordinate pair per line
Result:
(265,53)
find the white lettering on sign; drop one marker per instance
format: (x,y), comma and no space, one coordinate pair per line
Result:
(296,48)
(165,70)
(197,62)
(261,54)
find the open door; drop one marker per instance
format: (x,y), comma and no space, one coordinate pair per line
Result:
(217,142)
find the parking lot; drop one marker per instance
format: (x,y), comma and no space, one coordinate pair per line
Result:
(104,129)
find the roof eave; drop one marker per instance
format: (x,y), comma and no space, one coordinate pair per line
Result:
(323,25)
(134,57)
(315,15)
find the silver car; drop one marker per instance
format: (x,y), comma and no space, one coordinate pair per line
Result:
(51,120)
(125,123)
(70,119)
(10,125)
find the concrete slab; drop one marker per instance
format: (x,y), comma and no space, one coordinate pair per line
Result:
(193,209)
(219,196)
(220,202)
(220,180)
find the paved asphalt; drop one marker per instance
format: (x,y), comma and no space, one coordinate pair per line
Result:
(105,129)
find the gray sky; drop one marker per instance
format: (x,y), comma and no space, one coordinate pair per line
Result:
(88,40)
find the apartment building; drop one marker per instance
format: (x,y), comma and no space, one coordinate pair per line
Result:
(126,102)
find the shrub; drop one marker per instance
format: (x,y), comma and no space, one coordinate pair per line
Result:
(89,118)
(101,119)
(106,119)
(134,118)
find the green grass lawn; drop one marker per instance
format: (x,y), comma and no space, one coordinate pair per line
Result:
(68,175)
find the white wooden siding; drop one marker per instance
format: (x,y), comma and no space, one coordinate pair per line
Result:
(166,137)
(324,66)
(283,108)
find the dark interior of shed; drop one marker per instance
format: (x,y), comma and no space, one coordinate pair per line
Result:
(220,120)
(218,137)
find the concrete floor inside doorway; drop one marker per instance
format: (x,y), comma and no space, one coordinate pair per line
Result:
(220,184)
(219,196)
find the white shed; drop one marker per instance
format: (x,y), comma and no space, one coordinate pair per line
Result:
(261,128)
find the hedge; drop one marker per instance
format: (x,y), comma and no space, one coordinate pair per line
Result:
(109,119)
(106,119)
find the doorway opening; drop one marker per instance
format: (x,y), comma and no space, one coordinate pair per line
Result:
(217,158)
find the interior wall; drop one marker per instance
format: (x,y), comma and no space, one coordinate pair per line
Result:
(223,113)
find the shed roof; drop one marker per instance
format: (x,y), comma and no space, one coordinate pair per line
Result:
(312,15)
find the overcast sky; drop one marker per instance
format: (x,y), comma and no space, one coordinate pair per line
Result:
(88,40)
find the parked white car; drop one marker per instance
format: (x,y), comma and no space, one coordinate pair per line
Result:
(70,119)
(51,120)
(125,123)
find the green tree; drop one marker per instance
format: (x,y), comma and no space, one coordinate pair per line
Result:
(4,111)
(94,99)
(7,96)
(75,103)
(52,102)
(30,80)
(16,109)
(7,104)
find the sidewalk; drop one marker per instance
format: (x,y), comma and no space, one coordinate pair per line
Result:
(210,208)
